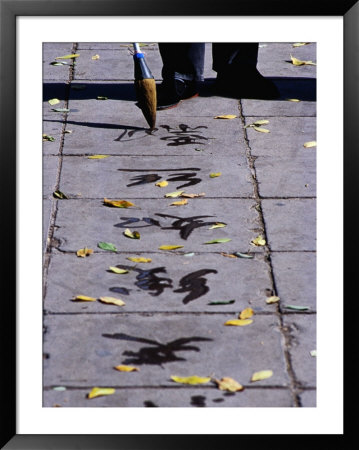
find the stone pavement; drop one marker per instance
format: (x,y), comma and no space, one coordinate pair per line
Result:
(175,308)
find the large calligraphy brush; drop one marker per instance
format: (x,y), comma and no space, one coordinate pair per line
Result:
(145,86)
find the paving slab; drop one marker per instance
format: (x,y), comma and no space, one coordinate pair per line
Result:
(294,289)
(136,177)
(305,91)
(46,215)
(169,283)
(160,346)
(302,341)
(182,397)
(308,398)
(87,222)
(290,224)
(50,51)
(50,167)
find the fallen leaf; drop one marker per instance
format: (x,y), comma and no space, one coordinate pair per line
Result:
(246,313)
(139,259)
(174,194)
(227,116)
(228,255)
(218,241)
(261,375)
(310,144)
(257,123)
(54,101)
(229,302)
(94,57)
(112,301)
(117,203)
(262,130)
(292,100)
(300,44)
(74,55)
(194,379)
(46,137)
(258,241)
(193,195)
(117,270)
(132,235)
(298,62)
(101,97)
(84,298)
(98,156)
(59,388)
(180,202)
(107,246)
(272,299)
(313,353)
(243,255)
(239,322)
(59,63)
(297,308)
(68,131)
(189,255)
(59,194)
(215,174)
(97,392)
(161,184)
(170,247)
(217,225)
(229,384)
(122,368)
(60,110)
(83,252)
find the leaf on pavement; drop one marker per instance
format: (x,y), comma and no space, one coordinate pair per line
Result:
(310,144)
(258,241)
(292,100)
(122,368)
(59,194)
(202,194)
(218,241)
(298,62)
(83,252)
(272,299)
(115,269)
(139,259)
(243,255)
(246,313)
(170,247)
(83,298)
(228,255)
(98,156)
(174,194)
(132,235)
(217,225)
(297,307)
(107,246)
(215,174)
(162,184)
(194,379)
(46,137)
(239,322)
(261,375)
(112,301)
(117,203)
(54,101)
(313,353)
(74,55)
(97,392)
(229,384)
(300,44)
(180,202)
(60,110)
(226,116)
(261,130)
(94,57)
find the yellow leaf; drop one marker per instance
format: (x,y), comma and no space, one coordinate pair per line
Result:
(293,100)
(261,122)
(300,44)
(84,298)
(272,299)
(97,392)
(259,241)
(310,144)
(217,225)
(261,130)
(239,322)
(117,203)
(227,116)
(75,55)
(127,368)
(229,384)
(194,379)
(94,57)
(215,174)
(298,62)
(98,156)
(83,252)
(54,101)
(163,183)
(132,235)
(112,301)
(169,247)
(193,195)
(180,202)
(117,270)
(246,313)
(139,259)
(228,255)
(261,375)
(174,194)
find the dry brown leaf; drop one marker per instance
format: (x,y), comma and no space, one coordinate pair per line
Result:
(192,195)
(228,255)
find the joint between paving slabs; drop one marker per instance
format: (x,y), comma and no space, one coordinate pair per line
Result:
(267,252)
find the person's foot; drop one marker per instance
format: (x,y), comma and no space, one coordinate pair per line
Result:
(171,92)
(248,83)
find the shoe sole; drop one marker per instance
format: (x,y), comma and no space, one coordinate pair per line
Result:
(163,108)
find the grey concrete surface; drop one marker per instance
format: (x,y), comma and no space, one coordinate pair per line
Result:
(175,308)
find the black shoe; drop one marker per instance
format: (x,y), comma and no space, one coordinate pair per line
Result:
(171,92)
(248,83)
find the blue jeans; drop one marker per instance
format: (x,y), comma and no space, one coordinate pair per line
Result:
(186,60)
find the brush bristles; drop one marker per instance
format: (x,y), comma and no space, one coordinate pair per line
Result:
(147,99)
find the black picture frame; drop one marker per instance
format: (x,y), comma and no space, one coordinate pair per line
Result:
(9,10)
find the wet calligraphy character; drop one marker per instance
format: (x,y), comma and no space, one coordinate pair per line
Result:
(185,225)
(148,280)
(195,284)
(130,221)
(184,135)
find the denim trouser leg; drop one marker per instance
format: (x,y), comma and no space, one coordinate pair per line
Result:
(184,61)
(233,57)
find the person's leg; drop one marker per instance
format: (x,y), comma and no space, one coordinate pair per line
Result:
(237,74)
(183,65)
